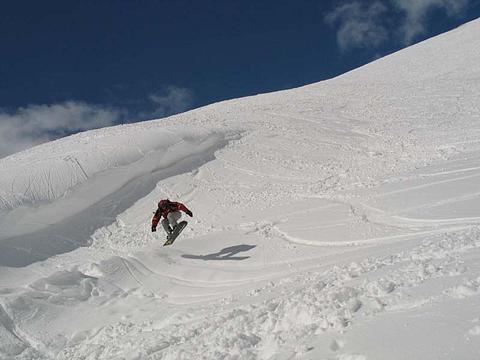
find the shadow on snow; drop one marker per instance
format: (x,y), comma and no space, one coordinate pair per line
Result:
(225,254)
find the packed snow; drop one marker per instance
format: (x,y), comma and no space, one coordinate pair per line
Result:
(340,220)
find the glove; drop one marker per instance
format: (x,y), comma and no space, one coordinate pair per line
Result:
(154,228)
(189,213)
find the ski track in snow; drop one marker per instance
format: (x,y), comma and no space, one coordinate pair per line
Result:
(340,220)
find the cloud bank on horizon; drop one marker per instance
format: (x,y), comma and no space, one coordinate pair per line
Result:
(35,124)
(366,25)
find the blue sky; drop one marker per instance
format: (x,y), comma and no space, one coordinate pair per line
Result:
(68,66)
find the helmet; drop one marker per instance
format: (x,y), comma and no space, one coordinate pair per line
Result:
(163,203)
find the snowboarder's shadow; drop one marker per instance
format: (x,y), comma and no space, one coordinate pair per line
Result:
(225,254)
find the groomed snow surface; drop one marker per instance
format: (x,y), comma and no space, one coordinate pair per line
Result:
(340,220)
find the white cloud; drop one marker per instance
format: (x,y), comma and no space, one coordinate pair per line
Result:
(359,24)
(171,100)
(363,24)
(34,124)
(416,12)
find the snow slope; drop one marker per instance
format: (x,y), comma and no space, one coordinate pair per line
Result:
(340,220)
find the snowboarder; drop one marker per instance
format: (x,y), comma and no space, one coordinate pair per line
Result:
(170,211)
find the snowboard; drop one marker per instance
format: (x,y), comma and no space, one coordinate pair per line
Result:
(178,229)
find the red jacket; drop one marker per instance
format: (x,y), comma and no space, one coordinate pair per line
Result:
(166,207)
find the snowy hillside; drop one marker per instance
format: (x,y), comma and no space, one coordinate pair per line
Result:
(340,220)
